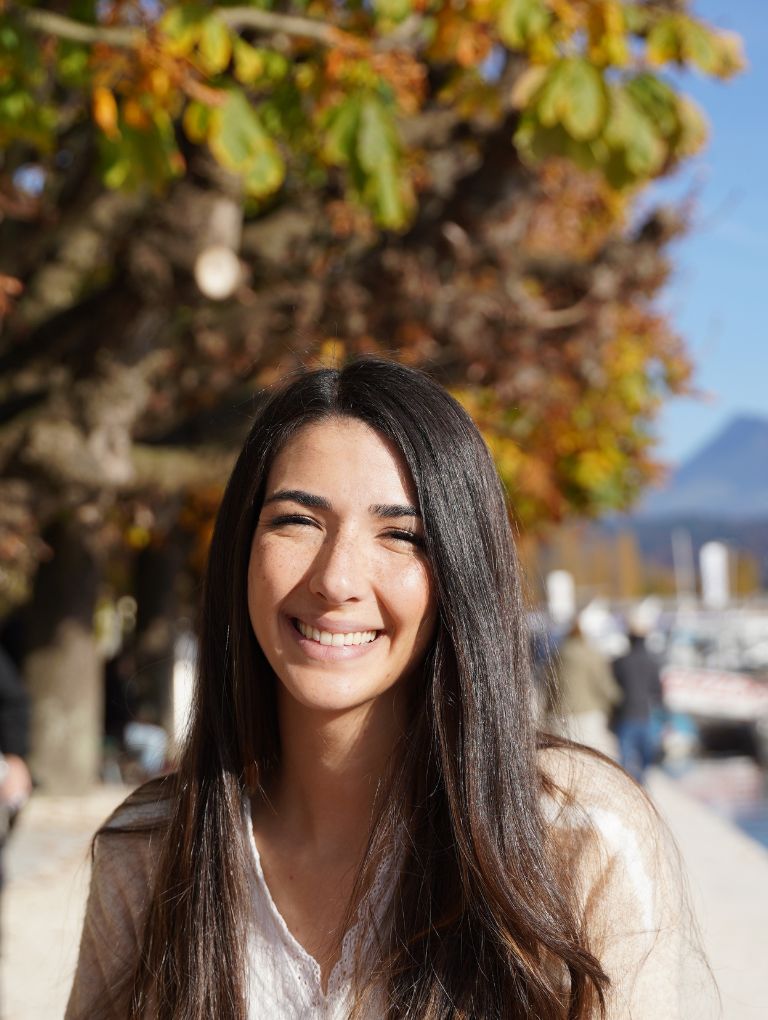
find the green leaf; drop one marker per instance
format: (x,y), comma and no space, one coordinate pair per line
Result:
(239,142)
(266,173)
(521,20)
(277,65)
(663,43)
(637,18)
(393,10)
(23,118)
(9,38)
(135,158)
(284,116)
(574,95)
(699,46)
(236,132)
(340,138)
(657,100)
(586,110)
(632,133)
(536,142)
(73,63)
(183,25)
(376,140)
(16,105)
(386,197)
(215,45)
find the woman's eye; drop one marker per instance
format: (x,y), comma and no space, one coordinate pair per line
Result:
(402,535)
(283,519)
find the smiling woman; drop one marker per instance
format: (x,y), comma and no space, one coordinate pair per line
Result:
(339,588)
(364,822)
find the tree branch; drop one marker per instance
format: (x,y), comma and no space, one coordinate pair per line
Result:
(167,470)
(290,24)
(68,28)
(127,37)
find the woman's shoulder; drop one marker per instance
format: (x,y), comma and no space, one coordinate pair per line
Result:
(578,781)
(146,808)
(618,858)
(126,853)
(599,817)
(127,844)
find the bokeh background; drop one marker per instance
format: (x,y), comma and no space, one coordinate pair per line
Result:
(556,207)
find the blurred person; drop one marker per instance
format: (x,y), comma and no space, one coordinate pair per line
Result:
(146,741)
(365,821)
(15,779)
(638,676)
(585,693)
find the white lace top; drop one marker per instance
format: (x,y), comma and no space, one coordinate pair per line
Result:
(625,873)
(284,980)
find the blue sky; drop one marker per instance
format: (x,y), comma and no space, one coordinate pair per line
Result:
(718,294)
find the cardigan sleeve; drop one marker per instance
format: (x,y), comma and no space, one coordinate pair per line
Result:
(631,890)
(121,880)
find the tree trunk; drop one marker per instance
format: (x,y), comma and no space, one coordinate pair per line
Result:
(63,667)
(156,587)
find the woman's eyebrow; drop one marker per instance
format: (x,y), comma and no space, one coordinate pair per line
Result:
(394,510)
(313,502)
(307,499)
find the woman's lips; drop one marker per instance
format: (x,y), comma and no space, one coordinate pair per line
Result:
(353,634)
(324,652)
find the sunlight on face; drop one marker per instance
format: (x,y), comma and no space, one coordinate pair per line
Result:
(339,590)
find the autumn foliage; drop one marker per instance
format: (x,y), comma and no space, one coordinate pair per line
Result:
(454,183)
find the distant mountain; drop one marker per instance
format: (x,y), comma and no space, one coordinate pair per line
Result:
(726,480)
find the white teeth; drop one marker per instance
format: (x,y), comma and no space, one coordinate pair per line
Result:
(336,638)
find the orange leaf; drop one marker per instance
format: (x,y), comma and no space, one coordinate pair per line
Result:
(105,111)
(135,115)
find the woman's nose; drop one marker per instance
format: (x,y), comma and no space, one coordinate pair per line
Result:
(339,572)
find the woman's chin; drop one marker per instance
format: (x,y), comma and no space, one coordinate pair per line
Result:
(330,699)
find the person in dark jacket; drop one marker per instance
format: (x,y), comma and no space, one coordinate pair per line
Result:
(15,780)
(637,674)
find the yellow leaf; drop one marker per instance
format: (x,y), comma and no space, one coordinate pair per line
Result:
(332,353)
(731,52)
(195,121)
(527,84)
(160,83)
(249,62)
(182,26)
(663,43)
(693,127)
(105,111)
(215,45)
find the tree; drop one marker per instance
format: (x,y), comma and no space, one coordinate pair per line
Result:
(197,196)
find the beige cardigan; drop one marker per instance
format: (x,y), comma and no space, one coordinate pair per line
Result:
(605,831)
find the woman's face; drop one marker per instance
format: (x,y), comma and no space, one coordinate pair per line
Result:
(339,590)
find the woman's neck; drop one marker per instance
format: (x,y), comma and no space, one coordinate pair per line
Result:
(331,766)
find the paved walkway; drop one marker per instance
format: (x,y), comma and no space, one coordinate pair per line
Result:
(47,871)
(728,877)
(47,866)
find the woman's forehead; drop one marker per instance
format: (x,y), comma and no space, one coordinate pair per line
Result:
(343,455)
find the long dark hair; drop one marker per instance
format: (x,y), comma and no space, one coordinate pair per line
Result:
(480,924)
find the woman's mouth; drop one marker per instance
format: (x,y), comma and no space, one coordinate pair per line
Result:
(337,639)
